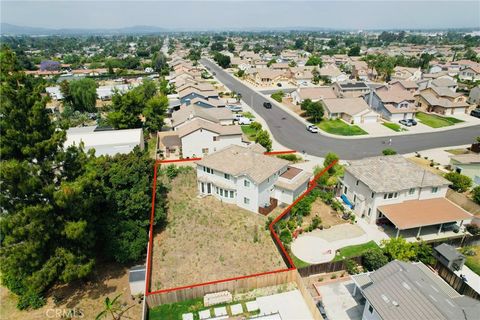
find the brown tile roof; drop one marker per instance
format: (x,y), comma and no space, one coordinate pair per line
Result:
(350,106)
(316,93)
(193,111)
(198,124)
(238,161)
(419,213)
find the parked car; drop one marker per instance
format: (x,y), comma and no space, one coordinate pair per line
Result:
(234,108)
(267,105)
(244,121)
(279,84)
(408,122)
(475,113)
(312,128)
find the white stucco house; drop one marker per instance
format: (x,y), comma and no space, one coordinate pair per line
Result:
(395,191)
(246,177)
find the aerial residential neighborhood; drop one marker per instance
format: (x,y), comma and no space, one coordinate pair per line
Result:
(244,160)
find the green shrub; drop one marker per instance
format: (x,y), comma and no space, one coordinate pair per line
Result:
(255,126)
(476,194)
(352,266)
(268,222)
(389,152)
(374,259)
(286,236)
(290,157)
(460,182)
(473,229)
(278,96)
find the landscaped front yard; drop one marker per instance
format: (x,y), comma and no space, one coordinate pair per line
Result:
(206,239)
(473,262)
(393,126)
(436,121)
(249,132)
(339,127)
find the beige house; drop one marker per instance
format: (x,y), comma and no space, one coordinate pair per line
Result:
(350,89)
(442,101)
(266,76)
(312,93)
(350,110)
(404,73)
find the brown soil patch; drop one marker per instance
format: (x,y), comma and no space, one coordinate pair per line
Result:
(108,280)
(425,164)
(208,240)
(329,217)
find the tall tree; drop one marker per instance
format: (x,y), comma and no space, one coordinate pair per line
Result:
(154,113)
(81,94)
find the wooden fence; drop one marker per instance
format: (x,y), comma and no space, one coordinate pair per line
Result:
(461,241)
(234,286)
(327,267)
(455,281)
(463,201)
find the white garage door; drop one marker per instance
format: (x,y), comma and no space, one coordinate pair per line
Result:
(459,111)
(370,119)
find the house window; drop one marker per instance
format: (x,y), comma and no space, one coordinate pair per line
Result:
(231,194)
(434,189)
(373,195)
(204,150)
(357,182)
(345,190)
(215,138)
(369,211)
(227,176)
(246,183)
(390,195)
(221,192)
(354,197)
(370,309)
(246,200)
(411,191)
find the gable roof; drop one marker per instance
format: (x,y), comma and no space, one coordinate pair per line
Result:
(350,106)
(193,111)
(410,291)
(197,124)
(237,161)
(392,173)
(316,93)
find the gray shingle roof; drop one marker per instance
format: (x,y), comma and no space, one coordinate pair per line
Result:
(410,291)
(392,173)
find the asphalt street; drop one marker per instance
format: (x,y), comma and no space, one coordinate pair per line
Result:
(291,132)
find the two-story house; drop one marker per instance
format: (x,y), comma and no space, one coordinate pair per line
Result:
(393,103)
(246,177)
(442,100)
(404,73)
(393,189)
(350,89)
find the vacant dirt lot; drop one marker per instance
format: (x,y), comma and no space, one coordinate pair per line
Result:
(207,240)
(108,280)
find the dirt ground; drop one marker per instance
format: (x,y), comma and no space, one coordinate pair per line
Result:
(86,298)
(207,240)
(290,105)
(425,163)
(329,217)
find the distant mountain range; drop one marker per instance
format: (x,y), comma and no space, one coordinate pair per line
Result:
(11,29)
(15,30)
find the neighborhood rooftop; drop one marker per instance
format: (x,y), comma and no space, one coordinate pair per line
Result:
(392,173)
(411,291)
(237,161)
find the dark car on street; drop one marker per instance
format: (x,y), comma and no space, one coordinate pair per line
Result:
(475,113)
(267,105)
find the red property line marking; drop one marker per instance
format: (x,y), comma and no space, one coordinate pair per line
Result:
(292,266)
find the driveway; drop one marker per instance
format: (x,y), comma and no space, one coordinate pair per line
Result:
(290,131)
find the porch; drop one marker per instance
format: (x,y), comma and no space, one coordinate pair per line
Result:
(429,219)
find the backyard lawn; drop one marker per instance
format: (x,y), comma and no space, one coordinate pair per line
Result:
(356,250)
(436,121)
(394,126)
(339,127)
(473,262)
(206,239)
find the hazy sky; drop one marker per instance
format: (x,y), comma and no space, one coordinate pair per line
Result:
(229,14)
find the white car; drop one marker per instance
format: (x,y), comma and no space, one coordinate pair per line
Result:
(234,108)
(312,128)
(244,120)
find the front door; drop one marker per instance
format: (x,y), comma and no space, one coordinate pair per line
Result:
(209,188)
